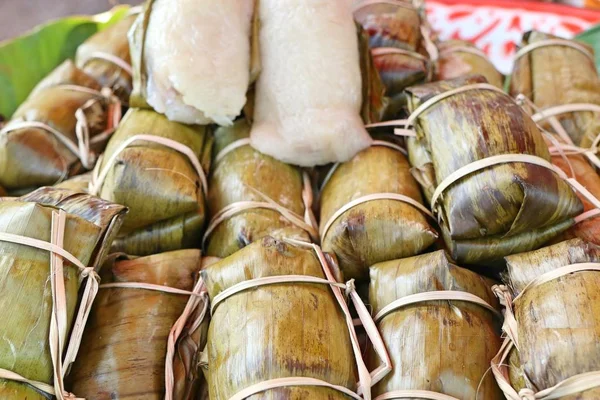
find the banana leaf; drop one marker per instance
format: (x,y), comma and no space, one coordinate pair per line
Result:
(557,75)
(78,183)
(276,331)
(499,210)
(114,43)
(516,371)
(108,215)
(455,61)
(66,73)
(239,176)
(564,308)
(182,231)
(398,71)
(440,346)
(33,156)
(26,301)
(373,90)
(125,342)
(395,37)
(378,230)
(27,59)
(585,174)
(158,184)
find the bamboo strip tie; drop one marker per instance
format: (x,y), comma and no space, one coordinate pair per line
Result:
(383,51)
(434,295)
(412,394)
(428,42)
(402,127)
(386,51)
(545,113)
(231,147)
(111,58)
(464,49)
(554,42)
(119,62)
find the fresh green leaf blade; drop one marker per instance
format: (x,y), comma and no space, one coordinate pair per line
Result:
(592,37)
(27,59)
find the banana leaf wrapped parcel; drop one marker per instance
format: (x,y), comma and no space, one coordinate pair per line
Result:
(551,313)
(375,103)
(278,328)
(66,73)
(441,326)
(486,171)
(105,56)
(51,242)
(252,195)
(396,40)
(77,183)
(390,23)
(372,211)
(157,169)
(107,215)
(57,132)
(555,73)
(461,58)
(125,345)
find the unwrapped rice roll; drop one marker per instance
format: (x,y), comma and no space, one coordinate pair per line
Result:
(308,97)
(193,59)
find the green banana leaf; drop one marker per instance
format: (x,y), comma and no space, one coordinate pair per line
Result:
(592,37)
(26,59)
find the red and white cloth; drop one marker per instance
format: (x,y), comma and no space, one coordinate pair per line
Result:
(496,26)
